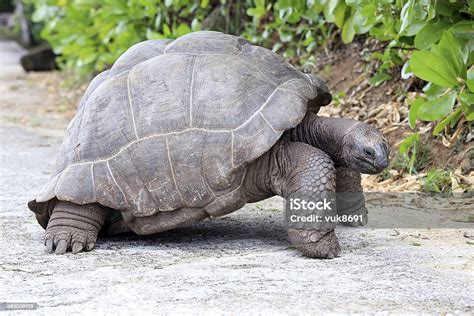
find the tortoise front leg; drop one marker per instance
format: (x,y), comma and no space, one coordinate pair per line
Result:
(350,196)
(311,176)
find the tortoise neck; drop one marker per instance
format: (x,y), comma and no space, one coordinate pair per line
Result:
(325,133)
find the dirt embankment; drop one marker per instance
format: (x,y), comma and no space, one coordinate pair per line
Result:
(385,106)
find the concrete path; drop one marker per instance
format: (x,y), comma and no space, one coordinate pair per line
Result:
(241,263)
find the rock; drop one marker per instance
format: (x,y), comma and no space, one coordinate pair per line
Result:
(39,59)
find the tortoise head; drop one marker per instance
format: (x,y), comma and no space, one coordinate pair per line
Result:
(365,149)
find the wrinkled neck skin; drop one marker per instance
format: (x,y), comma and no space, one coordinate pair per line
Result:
(264,176)
(324,133)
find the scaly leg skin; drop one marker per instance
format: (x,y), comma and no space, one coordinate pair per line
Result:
(312,177)
(74,227)
(350,196)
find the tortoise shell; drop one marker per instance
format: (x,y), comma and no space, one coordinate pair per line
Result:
(175,123)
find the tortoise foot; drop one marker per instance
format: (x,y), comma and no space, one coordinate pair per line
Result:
(73,228)
(60,239)
(315,244)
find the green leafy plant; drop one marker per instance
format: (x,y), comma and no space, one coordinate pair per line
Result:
(413,156)
(90,35)
(448,95)
(437,181)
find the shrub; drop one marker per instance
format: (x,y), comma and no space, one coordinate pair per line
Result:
(90,35)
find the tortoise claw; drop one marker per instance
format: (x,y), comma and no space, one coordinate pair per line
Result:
(77,247)
(49,246)
(90,246)
(61,247)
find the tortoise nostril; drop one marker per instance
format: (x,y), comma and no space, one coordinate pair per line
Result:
(369,151)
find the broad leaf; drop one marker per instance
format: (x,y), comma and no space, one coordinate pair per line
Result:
(464,29)
(435,109)
(470,84)
(348,31)
(430,34)
(468,110)
(454,51)
(329,8)
(432,90)
(413,113)
(452,119)
(467,98)
(432,67)
(406,16)
(340,14)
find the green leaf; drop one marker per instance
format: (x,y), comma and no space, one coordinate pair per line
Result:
(463,28)
(340,14)
(452,119)
(468,110)
(166,30)
(329,8)
(470,84)
(430,34)
(435,109)
(181,30)
(379,78)
(408,143)
(285,37)
(406,15)
(470,73)
(195,25)
(348,31)
(412,114)
(454,51)
(447,8)
(431,67)
(467,98)
(432,90)
(470,78)
(204,3)
(151,35)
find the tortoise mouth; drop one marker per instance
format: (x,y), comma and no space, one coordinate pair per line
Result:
(371,159)
(365,166)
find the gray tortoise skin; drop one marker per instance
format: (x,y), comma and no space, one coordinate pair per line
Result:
(181,130)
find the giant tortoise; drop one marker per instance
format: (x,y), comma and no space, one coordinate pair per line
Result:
(181,130)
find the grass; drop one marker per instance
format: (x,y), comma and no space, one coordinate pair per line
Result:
(437,181)
(414,160)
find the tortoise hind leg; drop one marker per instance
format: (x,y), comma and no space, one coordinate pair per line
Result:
(74,227)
